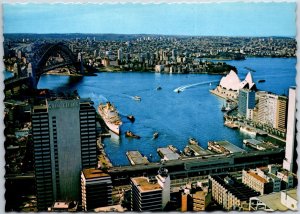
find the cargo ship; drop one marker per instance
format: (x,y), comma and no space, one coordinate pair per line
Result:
(110,116)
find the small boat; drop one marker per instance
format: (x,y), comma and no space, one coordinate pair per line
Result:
(260,81)
(155,135)
(193,141)
(223,108)
(210,83)
(177,90)
(158,88)
(131,118)
(130,134)
(137,98)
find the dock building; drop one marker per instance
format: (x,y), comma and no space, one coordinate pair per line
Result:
(96,189)
(64,141)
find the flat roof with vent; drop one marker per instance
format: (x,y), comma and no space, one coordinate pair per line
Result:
(144,185)
(94,173)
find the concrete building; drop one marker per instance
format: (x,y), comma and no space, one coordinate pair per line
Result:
(64,206)
(120,54)
(246,103)
(146,194)
(150,193)
(164,181)
(229,193)
(200,200)
(96,189)
(272,110)
(279,201)
(289,162)
(64,138)
(261,182)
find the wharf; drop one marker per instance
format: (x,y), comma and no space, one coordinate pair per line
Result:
(135,158)
(167,153)
(103,161)
(231,125)
(199,151)
(259,145)
(224,147)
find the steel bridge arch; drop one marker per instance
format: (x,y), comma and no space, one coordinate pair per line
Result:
(47,50)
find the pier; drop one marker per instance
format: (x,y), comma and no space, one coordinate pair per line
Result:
(167,154)
(199,151)
(258,145)
(135,158)
(224,147)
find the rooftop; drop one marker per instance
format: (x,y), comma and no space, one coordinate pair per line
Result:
(93,173)
(144,185)
(257,177)
(239,190)
(273,201)
(114,208)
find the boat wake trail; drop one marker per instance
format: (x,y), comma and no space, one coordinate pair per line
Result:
(182,88)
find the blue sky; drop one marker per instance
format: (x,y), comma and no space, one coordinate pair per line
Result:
(218,19)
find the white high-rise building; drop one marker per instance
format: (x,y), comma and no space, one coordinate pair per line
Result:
(120,54)
(288,162)
(164,181)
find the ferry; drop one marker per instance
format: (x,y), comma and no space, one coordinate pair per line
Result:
(130,134)
(155,135)
(248,130)
(110,116)
(137,98)
(131,118)
(193,141)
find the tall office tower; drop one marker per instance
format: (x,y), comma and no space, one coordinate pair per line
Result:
(120,54)
(64,138)
(246,102)
(289,162)
(96,189)
(272,110)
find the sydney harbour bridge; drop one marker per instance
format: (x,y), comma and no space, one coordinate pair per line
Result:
(40,62)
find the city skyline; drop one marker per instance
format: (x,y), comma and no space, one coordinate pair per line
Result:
(233,19)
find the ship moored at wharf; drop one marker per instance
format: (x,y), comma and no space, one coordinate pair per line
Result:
(110,116)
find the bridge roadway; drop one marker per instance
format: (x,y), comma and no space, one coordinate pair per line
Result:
(197,166)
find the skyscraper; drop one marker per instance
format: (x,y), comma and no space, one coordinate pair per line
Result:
(289,162)
(246,102)
(64,137)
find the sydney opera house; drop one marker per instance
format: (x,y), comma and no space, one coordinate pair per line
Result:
(231,84)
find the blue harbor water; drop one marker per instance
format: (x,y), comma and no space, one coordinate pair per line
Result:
(195,112)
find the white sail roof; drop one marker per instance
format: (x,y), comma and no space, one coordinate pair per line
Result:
(231,81)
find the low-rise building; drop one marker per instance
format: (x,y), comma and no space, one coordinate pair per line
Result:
(229,193)
(261,181)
